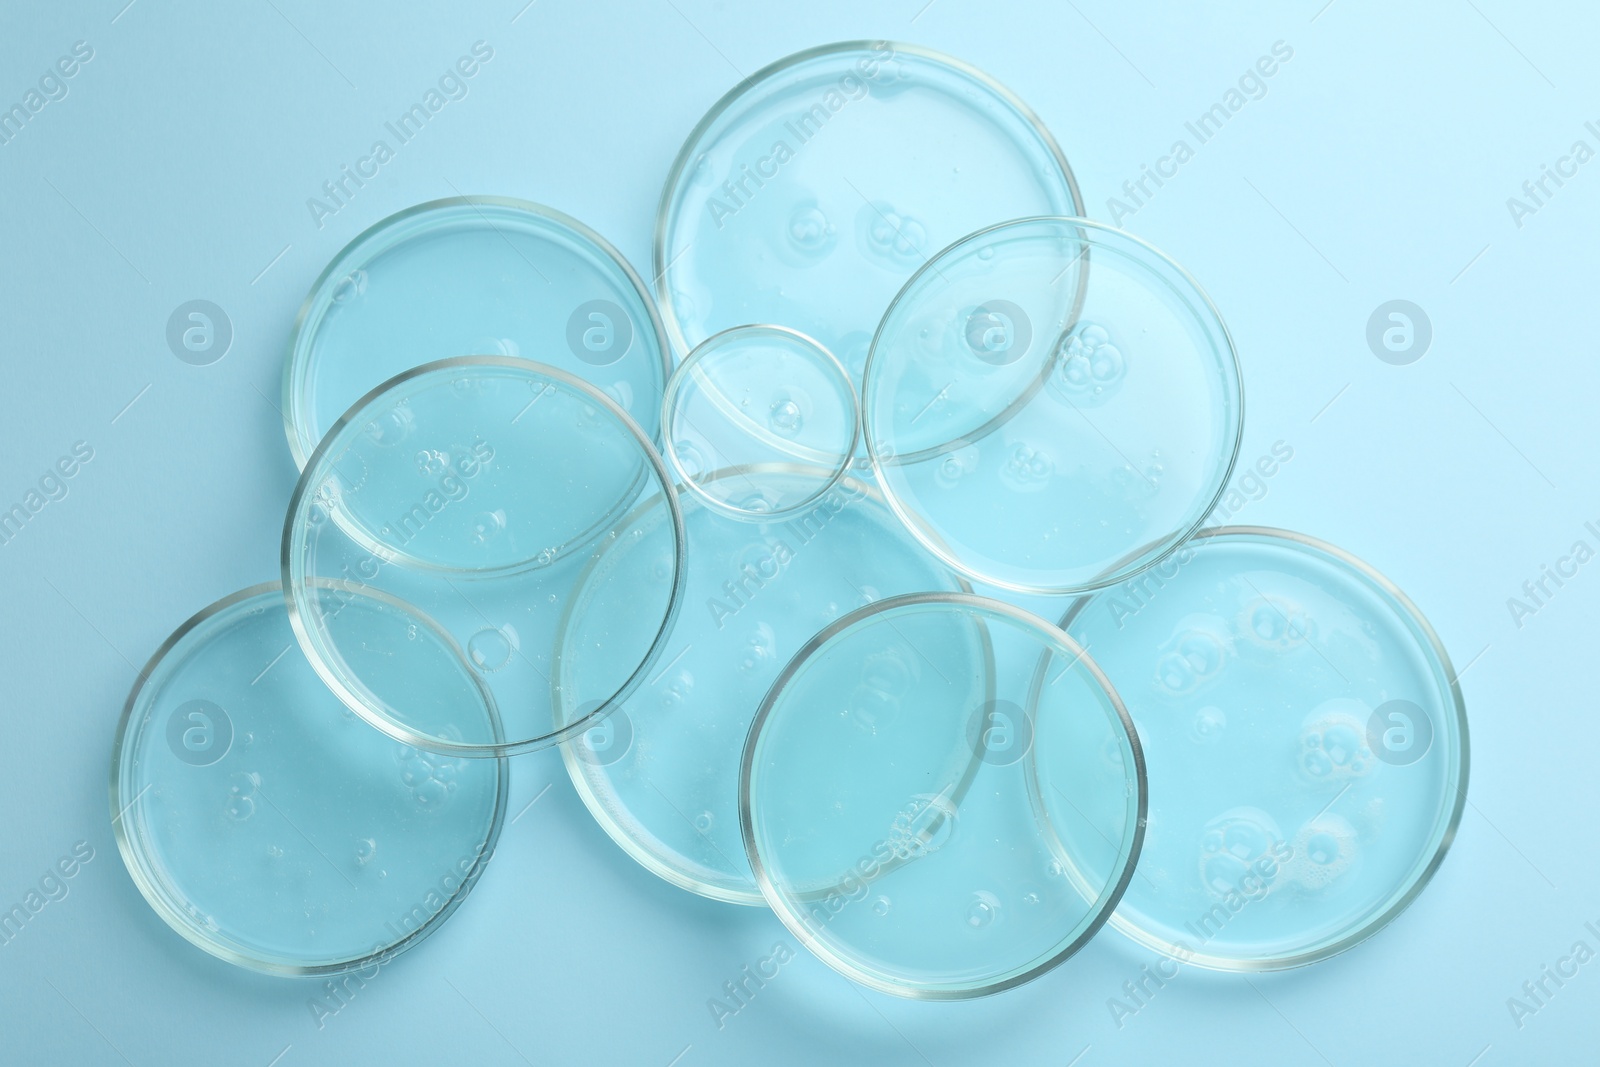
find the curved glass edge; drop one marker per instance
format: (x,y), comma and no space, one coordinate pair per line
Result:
(1444,672)
(649,860)
(1110,897)
(152,887)
(300,445)
(659,260)
(363,706)
(826,359)
(1131,565)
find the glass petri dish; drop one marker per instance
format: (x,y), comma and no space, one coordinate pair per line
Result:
(1063,374)
(472,494)
(271,827)
(810,192)
(661,774)
(755,399)
(1306,740)
(889,812)
(471,276)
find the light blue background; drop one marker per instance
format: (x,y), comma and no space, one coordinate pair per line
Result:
(1376,167)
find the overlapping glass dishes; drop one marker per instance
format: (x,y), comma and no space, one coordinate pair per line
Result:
(742,594)
(811,191)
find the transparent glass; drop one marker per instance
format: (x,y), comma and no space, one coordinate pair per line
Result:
(661,774)
(755,399)
(1052,405)
(471,276)
(271,827)
(473,494)
(893,816)
(1307,745)
(810,192)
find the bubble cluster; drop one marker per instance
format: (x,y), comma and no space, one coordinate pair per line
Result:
(1191,658)
(1324,849)
(1275,622)
(1333,742)
(430,777)
(889,234)
(1237,851)
(810,232)
(1027,469)
(1089,368)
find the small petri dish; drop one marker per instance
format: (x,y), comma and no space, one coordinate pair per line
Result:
(661,773)
(811,191)
(755,399)
(1306,739)
(1063,374)
(890,813)
(472,494)
(271,827)
(471,276)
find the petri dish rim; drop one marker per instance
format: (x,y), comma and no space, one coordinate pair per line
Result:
(1112,894)
(150,885)
(680,163)
(504,746)
(674,386)
(1115,573)
(1444,670)
(649,859)
(303,330)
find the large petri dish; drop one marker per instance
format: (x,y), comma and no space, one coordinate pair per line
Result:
(811,191)
(661,774)
(892,814)
(1064,375)
(471,276)
(271,827)
(473,494)
(1307,745)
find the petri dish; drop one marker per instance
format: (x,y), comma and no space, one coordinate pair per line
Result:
(1063,374)
(472,494)
(894,819)
(811,191)
(754,399)
(271,827)
(661,773)
(471,276)
(1306,739)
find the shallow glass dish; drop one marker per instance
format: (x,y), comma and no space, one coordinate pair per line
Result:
(1066,376)
(271,827)
(897,787)
(473,494)
(471,276)
(1307,745)
(810,192)
(661,774)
